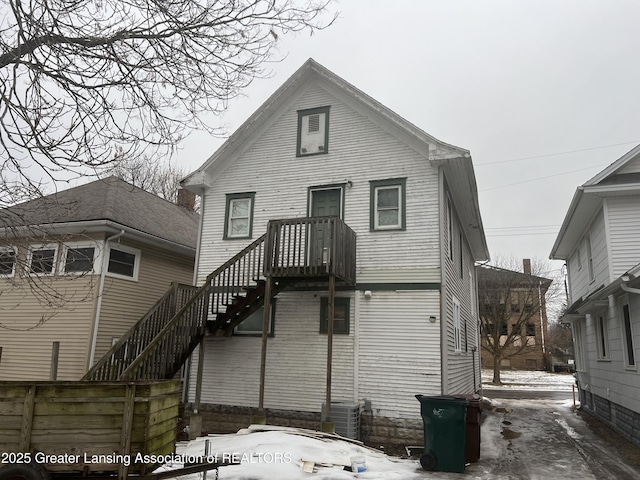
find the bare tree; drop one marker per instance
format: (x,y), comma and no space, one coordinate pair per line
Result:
(160,178)
(510,303)
(87,83)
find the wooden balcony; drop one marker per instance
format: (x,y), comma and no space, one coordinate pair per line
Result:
(312,248)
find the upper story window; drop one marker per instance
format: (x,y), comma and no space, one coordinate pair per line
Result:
(589,257)
(313,132)
(457,334)
(7,262)
(388,200)
(124,262)
(79,259)
(42,259)
(450,227)
(239,215)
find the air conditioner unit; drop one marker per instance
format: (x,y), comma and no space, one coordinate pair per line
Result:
(346,417)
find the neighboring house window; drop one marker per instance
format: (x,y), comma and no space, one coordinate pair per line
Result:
(340,315)
(252,325)
(388,204)
(531,334)
(629,356)
(7,262)
(579,346)
(602,336)
(124,262)
(313,132)
(42,259)
(239,215)
(457,336)
(579,258)
(79,259)
(589,257)
(460,251)
(450,227)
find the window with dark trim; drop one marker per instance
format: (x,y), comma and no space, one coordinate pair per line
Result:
(450,227)
(602,336)
(387,204)
(340,315)
(313,132)
(239,215)
(252,325)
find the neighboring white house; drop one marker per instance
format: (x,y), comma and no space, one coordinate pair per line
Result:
(408,322)
(599,240)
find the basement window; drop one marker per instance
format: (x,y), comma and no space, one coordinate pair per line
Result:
(313,132)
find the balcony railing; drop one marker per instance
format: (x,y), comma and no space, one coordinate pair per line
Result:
(313,247)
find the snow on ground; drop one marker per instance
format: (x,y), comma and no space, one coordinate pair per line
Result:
(279,453)
(529,379)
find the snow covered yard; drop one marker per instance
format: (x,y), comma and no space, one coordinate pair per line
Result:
(529,379)
(269,452)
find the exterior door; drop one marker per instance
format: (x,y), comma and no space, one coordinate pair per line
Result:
(324,203)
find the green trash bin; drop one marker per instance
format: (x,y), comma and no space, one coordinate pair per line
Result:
(444,419)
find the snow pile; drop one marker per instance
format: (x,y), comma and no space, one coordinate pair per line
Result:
(269,452)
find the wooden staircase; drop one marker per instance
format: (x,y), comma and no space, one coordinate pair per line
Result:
(158,345)
(300,249)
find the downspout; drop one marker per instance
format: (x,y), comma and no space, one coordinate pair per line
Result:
(544,350)
(103,273)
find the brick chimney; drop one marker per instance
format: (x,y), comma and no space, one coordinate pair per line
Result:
(526,263)
(186,199)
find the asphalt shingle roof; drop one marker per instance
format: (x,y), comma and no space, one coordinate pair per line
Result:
(108,199)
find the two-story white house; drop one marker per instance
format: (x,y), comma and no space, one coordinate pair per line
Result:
(344,186)
(599,241)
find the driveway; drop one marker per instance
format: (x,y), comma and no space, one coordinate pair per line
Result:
(531,431)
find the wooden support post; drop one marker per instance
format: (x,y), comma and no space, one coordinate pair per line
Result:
(55,353)
(265,334)
(27,419)
(127,428)
(328,424)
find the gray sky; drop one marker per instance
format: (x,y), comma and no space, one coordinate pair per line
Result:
(507,80)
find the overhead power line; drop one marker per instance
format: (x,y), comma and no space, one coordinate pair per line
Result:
(542,178)
(555,154)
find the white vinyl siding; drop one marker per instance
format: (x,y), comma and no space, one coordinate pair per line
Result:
(624,232)
(281,182)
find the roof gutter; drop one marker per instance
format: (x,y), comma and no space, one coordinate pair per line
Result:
(97,226)
(103,273)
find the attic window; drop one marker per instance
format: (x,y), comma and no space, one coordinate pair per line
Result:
(313,132)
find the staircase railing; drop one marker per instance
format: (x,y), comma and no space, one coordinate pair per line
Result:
(130,345)
(162,356)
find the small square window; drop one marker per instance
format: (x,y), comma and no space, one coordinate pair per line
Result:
(340,315)
(313,132)
(252,325)
(42,260)
(239,215)
(124,262)
(79,260)
(388,204)
(7,262)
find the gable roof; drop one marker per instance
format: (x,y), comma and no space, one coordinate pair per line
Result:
(456,161)
(108,204)
(617,179)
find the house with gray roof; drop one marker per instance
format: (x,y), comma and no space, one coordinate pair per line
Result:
(79,267)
